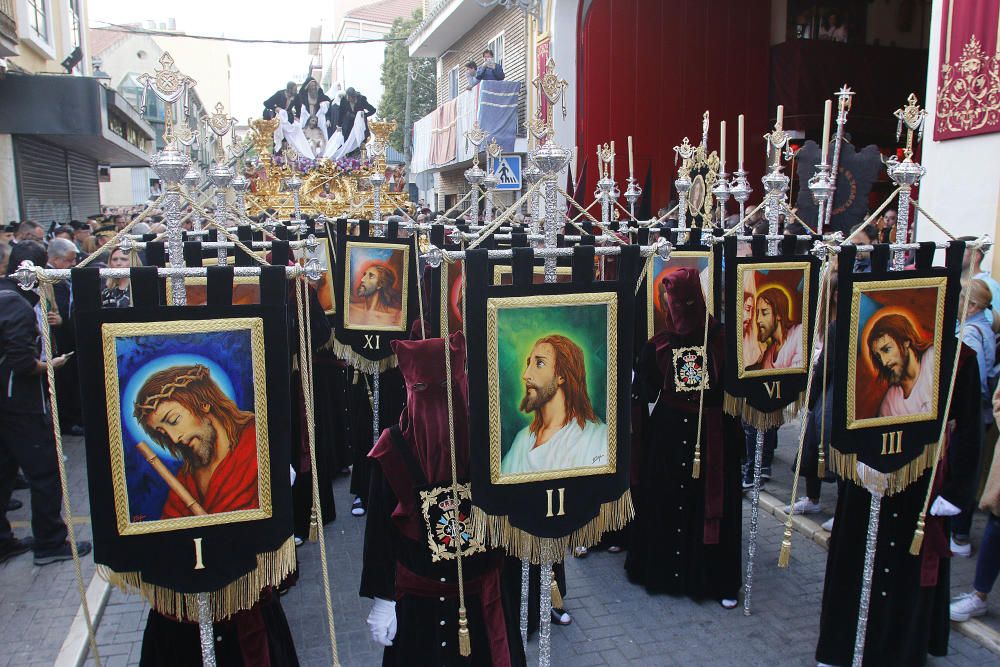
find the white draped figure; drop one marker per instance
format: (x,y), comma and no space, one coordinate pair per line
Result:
(292,132)
(353,142)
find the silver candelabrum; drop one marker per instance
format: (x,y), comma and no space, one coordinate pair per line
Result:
(722,194)
(475,176)
(632,194)
(221,176)
(489,185)
(906,173)
(740,190)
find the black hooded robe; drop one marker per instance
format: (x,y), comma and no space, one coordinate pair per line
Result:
(667,552)
(908,614)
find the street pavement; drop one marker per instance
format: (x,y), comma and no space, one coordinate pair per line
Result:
(615,623)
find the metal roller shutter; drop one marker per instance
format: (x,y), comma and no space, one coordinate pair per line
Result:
(85,194)
(42,181)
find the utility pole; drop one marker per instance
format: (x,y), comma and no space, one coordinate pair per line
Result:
(407,142)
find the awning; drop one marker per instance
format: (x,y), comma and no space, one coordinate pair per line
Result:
(77,113)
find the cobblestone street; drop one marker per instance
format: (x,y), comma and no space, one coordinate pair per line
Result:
(614,623)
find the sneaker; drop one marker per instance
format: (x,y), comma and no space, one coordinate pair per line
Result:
(14,504)
(747,483)
(803,506)
(967,606)
(357,507)
(14,547)
(961,548)
(765,474)
(728,603)
(61,553)
(614,549)
(561,616)
(827,525)
(298,541)
(580,552)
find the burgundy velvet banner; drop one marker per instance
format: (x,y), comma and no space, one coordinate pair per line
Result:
(968,89)
(650,68)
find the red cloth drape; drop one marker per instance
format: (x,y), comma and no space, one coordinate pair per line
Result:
(968,87)
(443,133)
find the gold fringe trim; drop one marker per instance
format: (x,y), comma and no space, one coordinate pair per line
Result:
(498,532)
(347,353)
(762,421)
(845,466)
(272,568)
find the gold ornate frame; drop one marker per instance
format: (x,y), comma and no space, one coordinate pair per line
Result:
(806,268)
(852,364)
(709,298)
(404,285)
(500,270)
(493,308)
(110,332)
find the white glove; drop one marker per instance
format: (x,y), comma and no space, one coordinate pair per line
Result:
(942,507)
(382,622)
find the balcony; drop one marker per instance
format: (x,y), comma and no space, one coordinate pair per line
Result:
(439,137)
(8,29)
(444,24)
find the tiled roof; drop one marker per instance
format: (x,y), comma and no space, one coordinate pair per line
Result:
(384,11)
(102,39)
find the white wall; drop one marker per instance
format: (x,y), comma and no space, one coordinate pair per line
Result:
(8,182)
(963,175)
(564,48)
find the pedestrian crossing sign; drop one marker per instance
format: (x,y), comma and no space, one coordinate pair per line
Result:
(508,172)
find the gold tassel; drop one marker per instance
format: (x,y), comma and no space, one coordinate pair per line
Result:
(367,366)
(464,640)
(785,555)
(821,466)
(918,537)
(846,467)
(696,466)
(313,525)
(557,598)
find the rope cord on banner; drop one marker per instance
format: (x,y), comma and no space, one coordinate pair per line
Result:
(931,220)
(918,533)
(420,287)
(877,212)
(464,640)
(305,374)
(43,292)
(500,220)
(821,454)
(738,226)
(625,211)
(785,554)
(238,243)
(118,236)
(696,465)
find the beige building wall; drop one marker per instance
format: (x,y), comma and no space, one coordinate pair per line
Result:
(46,57)
(206,62)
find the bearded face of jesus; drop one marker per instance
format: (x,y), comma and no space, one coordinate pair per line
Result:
(766,321)
(369,283)
(540,380)
(892,356)
(193,435)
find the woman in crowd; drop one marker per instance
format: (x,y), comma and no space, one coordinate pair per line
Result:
(117,292)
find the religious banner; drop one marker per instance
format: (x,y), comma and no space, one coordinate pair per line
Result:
(968,84)
(443,288)
(538,473)
(373,298)
(770,305)
(325,285)
(895,351)
(187,430)
(692,253)
(857,172)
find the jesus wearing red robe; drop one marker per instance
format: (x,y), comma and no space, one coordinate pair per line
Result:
(183,410)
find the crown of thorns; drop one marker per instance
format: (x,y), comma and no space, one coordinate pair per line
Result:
(199,372)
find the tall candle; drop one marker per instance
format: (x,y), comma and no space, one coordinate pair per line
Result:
(722,146)
(631,167)
(740,144)
(781,117)
(612,160)
(827,109)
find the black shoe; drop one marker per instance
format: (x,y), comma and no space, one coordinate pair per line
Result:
(61,553)
(14,547)
(20,482)
(14,504)
(747,483)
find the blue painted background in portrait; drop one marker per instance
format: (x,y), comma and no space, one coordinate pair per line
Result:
(228,357)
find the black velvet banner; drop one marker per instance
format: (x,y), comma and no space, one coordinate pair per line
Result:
(375,290)
(550,363)
(200,395)
(770,306)
(895,351)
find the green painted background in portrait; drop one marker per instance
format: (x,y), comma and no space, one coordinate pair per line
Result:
(517,331)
